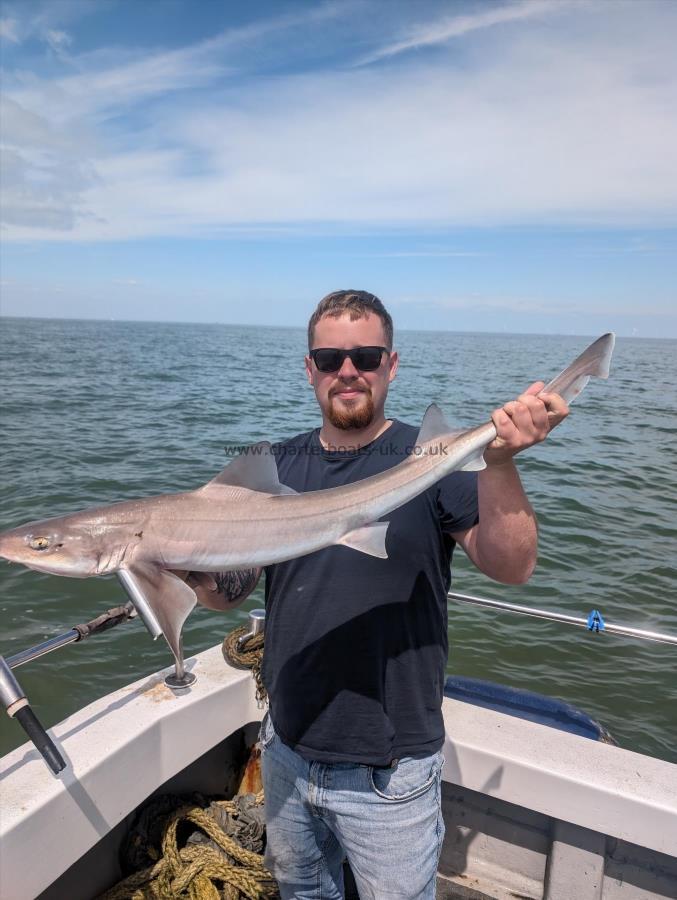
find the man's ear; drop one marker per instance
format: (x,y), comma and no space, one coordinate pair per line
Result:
(393,363)
(309,369)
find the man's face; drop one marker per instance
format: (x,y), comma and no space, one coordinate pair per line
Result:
(351,398)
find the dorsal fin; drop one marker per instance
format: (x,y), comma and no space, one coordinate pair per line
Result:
(254,469)
(434,425)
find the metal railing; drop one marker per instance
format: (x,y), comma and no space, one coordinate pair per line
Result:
(599,622)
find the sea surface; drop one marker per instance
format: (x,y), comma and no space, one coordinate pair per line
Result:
(94,412)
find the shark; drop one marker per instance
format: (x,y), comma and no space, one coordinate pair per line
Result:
(244,517)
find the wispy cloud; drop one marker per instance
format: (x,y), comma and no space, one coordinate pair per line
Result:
(412,254)
(43,171)
(9,30)
(45,19)
(442,30)
(58,40)
(633,246)
(557,126)
(546,307)
(112,81)
(127,282)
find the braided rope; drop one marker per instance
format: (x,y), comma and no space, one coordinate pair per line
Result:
(249,658)
(195,871)
(199,872)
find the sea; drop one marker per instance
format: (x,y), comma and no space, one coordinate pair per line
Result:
(99,411)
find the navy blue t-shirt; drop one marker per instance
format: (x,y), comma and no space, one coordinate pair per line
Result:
(356,646)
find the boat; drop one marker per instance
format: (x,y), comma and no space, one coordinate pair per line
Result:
(538,802)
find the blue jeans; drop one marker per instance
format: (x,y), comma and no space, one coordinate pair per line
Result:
(386,821)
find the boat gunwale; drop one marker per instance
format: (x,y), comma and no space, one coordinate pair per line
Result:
(597,786)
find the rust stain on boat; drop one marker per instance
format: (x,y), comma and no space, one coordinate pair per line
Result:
(158,692)
(251,779)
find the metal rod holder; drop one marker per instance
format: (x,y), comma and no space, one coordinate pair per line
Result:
(139,603)
(257,624)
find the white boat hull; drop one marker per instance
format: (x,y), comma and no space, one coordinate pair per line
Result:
(530,811)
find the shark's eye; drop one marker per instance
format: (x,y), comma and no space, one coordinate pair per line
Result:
(39,543)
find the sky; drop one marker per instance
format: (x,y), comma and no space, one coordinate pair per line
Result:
(481,166)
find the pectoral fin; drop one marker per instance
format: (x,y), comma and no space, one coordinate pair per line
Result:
(475,462)
(170,599)
(370,539)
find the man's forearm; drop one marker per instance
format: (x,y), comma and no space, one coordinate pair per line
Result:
(504,543)
(222,591)
(506,540)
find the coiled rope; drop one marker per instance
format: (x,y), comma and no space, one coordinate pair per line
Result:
(248,657)
(183,850)
(209,865)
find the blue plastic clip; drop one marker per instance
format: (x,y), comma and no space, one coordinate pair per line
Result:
(595,621)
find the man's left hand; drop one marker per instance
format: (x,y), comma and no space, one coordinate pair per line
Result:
(524,422)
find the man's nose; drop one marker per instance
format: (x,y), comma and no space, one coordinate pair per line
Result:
(348,369)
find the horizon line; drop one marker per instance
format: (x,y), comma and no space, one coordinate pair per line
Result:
(548,334)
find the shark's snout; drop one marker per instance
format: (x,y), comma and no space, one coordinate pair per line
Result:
(23,546)
(47,547)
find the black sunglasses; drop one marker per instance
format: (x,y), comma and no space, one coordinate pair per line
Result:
(330,359)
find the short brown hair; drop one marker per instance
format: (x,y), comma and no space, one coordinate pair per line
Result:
(359,304)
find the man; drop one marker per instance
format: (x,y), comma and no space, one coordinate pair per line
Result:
(356,646)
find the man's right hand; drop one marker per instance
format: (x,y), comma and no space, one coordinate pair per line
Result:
(221,591)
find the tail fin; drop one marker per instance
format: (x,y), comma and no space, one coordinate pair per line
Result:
(593,361)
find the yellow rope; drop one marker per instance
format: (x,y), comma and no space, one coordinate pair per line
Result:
(198,871)
(250,657)
(194,871)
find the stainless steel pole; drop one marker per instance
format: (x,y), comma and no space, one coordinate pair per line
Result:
(24,656)
(503,606)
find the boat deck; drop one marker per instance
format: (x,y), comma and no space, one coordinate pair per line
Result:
(530,812)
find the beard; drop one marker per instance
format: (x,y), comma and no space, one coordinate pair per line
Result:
(354,414)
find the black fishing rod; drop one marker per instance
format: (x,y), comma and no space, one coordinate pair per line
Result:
(14,698)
